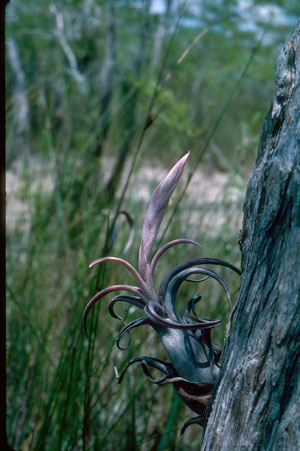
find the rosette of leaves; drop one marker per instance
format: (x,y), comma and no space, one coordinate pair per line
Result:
(194,360)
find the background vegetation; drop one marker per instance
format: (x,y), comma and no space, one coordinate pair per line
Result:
(103,97)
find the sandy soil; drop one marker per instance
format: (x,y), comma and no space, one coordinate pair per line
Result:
(205,191)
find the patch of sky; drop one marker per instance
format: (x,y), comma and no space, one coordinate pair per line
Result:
(190,22)
(248,16)
(251,15)
(158,7)
(192,7)
(255,18)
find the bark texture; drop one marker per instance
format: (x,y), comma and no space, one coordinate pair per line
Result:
(255,405)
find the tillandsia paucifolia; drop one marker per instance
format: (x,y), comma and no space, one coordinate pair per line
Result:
(194,360)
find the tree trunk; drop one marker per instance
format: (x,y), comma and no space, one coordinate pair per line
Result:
(255,405)
(60,33)
(21,109)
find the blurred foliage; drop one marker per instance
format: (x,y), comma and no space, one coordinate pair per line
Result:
(62,51)
(97,98)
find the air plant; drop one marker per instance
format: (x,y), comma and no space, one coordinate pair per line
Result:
(194,361)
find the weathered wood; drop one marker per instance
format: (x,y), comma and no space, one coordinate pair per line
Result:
(255,405)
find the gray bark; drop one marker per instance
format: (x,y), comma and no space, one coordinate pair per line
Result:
(60,33)
(20,96)
(255,405)
(21,110)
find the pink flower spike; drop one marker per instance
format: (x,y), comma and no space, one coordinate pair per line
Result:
(127,265)
(167,246)
(155,214)
(107,290)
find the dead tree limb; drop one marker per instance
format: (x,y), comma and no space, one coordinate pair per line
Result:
(255,405)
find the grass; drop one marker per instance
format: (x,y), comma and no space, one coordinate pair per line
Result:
(61,388)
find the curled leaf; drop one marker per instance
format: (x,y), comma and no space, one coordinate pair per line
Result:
(167,246)
(102,293)
(127,265)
